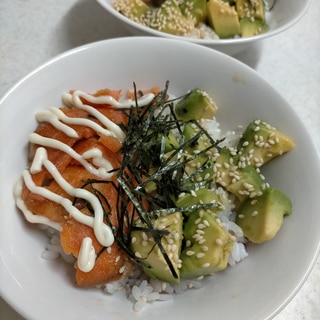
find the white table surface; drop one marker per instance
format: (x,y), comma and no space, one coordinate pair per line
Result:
(33,31)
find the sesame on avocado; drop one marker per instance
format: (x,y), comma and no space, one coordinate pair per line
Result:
(192,181)
(196,105)
(261,142)
(208,247)
(223,18)
(154,258)
(198,18)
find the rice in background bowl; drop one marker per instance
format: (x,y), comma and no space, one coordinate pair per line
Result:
(263,277)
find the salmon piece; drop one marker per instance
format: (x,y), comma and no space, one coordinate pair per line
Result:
(110,265)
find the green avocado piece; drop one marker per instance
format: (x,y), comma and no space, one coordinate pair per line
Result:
(223,18)
(171,142)
(195,10)
(133,9)
(253,9)
(145,247)
(196,105)
(251,28)
(169,18)
(240,179)
(208,246)
(261,142)
(248,184)
(204,196)
(261,217)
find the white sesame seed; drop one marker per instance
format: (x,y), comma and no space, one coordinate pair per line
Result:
(190,253)
(200,255)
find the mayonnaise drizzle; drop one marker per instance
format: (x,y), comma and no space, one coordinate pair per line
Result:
(32,218)
(102,231)
(74,99)
(103,171)
(100,167)
(87,255)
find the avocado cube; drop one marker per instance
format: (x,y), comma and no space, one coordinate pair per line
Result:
(209,246)
(251,9)
(145,247)
(195,10)
(262,217)
(250,28)
(261,142)
(204,195)
(196,105)
(223,18)
(169,18)
(248,184)
(133,9)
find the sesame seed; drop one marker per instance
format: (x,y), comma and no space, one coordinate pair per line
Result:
(206,265)
(254,213)
(219,242)
(190,253)
(121,270)
(200,255)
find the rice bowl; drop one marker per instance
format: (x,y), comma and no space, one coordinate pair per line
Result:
(284,14)
(253,97)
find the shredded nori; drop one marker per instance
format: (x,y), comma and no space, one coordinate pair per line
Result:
(144,161)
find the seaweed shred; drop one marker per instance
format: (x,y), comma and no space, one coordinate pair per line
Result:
(144,163)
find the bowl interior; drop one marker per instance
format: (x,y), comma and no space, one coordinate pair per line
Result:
(258,287)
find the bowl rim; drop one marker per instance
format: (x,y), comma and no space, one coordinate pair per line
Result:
(124,39)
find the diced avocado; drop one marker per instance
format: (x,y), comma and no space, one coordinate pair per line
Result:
(204,195)
(261,142)
(195,10)
(145,247)
(248,184)
(259,9)
(261,217)
(251,28)
(208,246)
(196,105)
(199,168)
(133,9)
(171,142)
(251,9)
(223,18)
(169,18)
(242,180)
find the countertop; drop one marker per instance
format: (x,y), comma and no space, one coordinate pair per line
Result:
(33,31)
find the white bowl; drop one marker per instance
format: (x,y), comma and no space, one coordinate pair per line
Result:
(284,14)
(259,286)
